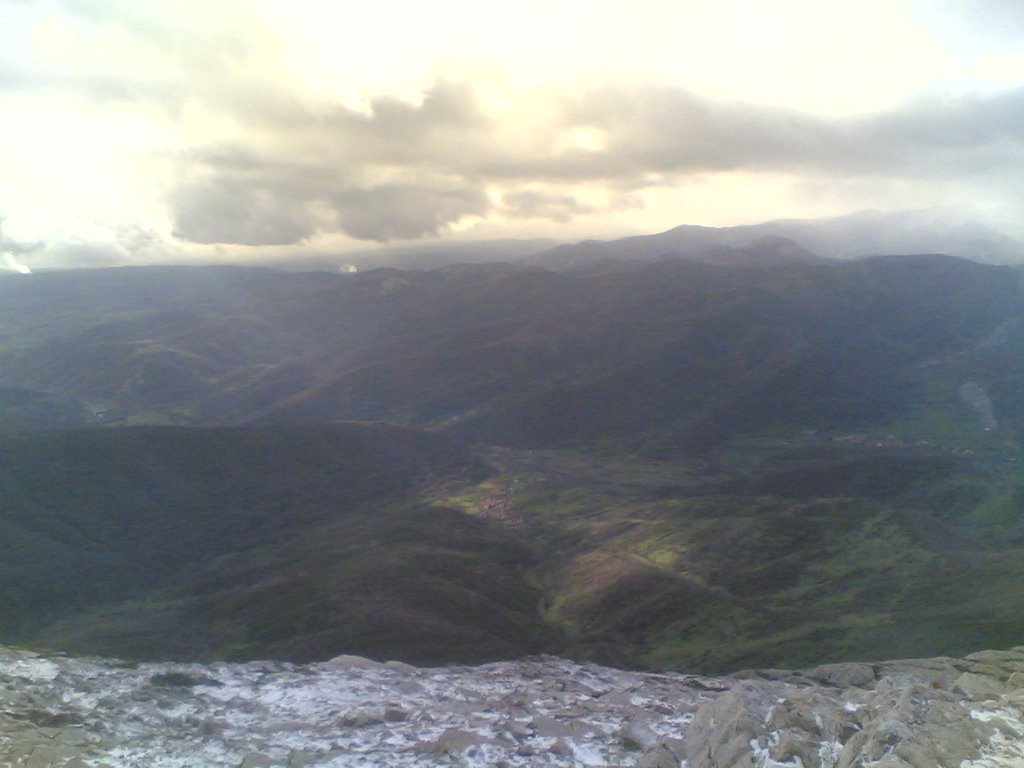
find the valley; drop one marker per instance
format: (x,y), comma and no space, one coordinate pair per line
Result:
(665,464)
(797,555)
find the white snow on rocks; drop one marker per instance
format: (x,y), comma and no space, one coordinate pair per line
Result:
(351,712)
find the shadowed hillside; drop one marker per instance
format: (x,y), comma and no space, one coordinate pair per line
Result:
(290,542)
(686,355)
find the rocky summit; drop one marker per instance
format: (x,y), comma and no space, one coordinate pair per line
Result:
(98,713)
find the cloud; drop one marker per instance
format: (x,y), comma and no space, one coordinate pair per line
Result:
(12,264)
(132,244)
(532,203)
(110,248)
(99,90)
(229,210)
(671,131)
(409,170)
(251,152)
(141,244)
(993,20)
(405,211)
(238,196)
(79,254)
(12,247)
(13,252)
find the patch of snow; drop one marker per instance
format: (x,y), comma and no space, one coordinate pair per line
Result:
(1001,751)
(828,753)
(762,754)
(351,713)
(587,755)
(32,667)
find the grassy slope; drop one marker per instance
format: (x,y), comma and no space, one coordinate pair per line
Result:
(306,542)
(767,543)
(790,554)
(293,542)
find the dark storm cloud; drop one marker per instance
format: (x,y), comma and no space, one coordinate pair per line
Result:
(250,200)
(401,170)
(670,131)
(404,211)
(231,210)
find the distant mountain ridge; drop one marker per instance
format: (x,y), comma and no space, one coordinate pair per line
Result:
(690,352)
(426,255)
(856,235)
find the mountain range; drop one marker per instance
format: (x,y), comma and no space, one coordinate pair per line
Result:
(952,231)
(757,456)
(856,235)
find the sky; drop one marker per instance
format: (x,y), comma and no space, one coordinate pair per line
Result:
(143,131)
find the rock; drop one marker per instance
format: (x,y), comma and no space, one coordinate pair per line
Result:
(587,755)
(721,731)
(849,675)
(796,747)
(362,718)
(409,687)
(257,760)
(580,755)
(300,758)
(549,726)
(48,719)
(345,662)
(208,727)
(517,729)
(56,711)
(978,687)
(891,761)
(1013,658)
(561,747)
(663,755)
(453,741)
(46,757)
(638,735)
(915,755)
(182,680)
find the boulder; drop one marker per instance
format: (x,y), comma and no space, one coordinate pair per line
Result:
(979,687)
(638,735)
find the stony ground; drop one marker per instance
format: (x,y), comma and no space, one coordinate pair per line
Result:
(57,711)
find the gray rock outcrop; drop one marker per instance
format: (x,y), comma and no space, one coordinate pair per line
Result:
(58,712)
